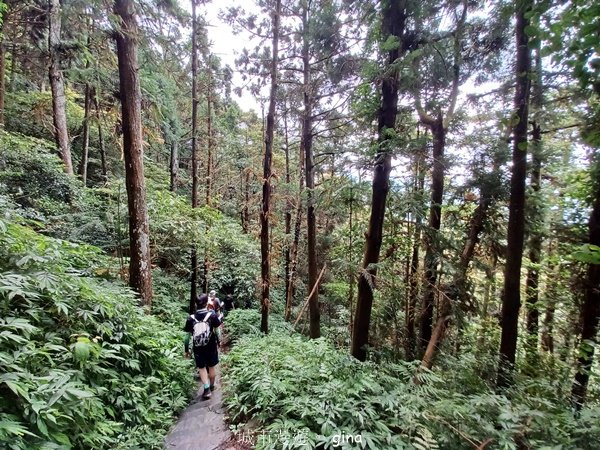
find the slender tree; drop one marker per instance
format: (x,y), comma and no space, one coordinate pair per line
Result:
(306,144)
(140,274)
(100,134)
(437,122)
(590,311)
(410,340)
(266,189)
(535,207)
(3,15)
(209,133)
(393,18)
(87,107)
(59,99)
(511,295)
(194,256)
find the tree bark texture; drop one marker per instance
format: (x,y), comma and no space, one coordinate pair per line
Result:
(246,208)
(59,100)
(100,135)
(393,22)
(2,71)
(194,253)
(590,313)
(413,282)
(306,144)
(536,208)
(432,247)
(511,296)
(535,242)
(288,216)
(459,284)
(83,166)
(140,270)
(266,203)
(173,164)
(548,326)
(209,137)
(294,249)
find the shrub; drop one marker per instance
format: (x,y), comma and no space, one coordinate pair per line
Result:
(246,322)
(81,365)
(33,176)
(31,113)
(299,391)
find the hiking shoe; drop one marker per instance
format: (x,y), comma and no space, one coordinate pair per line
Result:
(212,387)
(207,394)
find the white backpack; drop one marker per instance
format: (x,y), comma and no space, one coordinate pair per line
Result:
(202,331)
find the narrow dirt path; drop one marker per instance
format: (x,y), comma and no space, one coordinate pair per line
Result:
(202,425)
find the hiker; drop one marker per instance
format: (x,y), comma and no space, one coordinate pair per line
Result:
(214,303)
(203,325)
(228,304)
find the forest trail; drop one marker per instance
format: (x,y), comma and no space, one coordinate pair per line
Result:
(202,425)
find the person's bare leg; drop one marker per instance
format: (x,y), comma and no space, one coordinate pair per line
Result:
(212,375)
(204,378)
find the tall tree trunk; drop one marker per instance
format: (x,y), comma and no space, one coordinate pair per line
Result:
(590,311)
(100,135)
(413,282)
(2,70)
(59,100)
(535,243)
(548,326)
(294,249)
(246,208)
(173,164)
(432,248)
(511,296)
(266,203)
(475,228)
(306,144)
(351,267)
(547,338)
(140,268)
(536,208)
(288,210)
(459,284)
(393,22)
(194,251)
(490,292)
(209,158)
(438,125)
(13,66)
(209,137)
(83,166)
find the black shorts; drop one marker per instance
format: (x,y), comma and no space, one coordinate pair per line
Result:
(206,357)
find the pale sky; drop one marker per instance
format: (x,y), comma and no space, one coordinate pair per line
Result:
(226,45)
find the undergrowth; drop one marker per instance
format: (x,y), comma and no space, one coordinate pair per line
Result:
(298,391)
(81,364)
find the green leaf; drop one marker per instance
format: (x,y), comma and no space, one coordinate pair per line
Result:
(81,349)
(80,393)
(42,426)
(61,438)
(531,30)
(14,428)
(588,254)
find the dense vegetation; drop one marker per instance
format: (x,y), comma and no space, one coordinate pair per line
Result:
(412,222)
(300,390)
(81,364)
